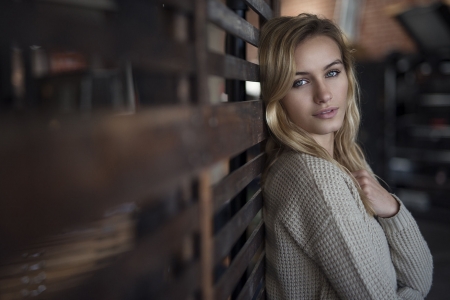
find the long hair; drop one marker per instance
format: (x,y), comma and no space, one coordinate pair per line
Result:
(278,41)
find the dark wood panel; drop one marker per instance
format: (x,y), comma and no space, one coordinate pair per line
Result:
(261,8)
(75,169)
(201,53)
(231,185)
(226,19)
(255,278)
(159,247)
(167,57)
(182,287)
(232,67)
(238,266)
(90,4)
(185,5)
(151,254)
(226,238)
(136,31)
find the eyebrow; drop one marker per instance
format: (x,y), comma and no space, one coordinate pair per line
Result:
(336,62)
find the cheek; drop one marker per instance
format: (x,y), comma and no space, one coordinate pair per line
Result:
(294,108)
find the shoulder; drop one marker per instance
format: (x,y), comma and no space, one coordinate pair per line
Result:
(299,175)
(294,166)
(311,182)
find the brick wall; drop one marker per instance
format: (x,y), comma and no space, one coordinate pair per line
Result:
(378,32)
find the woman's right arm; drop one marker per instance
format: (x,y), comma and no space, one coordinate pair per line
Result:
(342,243)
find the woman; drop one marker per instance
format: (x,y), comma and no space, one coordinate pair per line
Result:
(332,231)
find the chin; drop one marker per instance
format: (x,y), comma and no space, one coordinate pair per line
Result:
(330,129)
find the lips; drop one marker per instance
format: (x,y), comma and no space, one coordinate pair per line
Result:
(326,113)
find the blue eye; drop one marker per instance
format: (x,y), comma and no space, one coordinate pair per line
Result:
(332,73)
(299,82)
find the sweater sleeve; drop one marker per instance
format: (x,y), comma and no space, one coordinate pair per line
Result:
(409,253)
(342,243)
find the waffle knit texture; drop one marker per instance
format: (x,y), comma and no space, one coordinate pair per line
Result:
(322,244)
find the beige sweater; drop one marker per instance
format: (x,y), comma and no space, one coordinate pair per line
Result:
(321,243)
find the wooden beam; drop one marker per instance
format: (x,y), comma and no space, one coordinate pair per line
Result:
(235,182)
(60,172)
(228,236)
(228,281)
(226,19)
(232,67)
(261,8)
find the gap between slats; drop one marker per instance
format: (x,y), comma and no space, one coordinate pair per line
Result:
(226,238)
(254,280)
(231,185)
(240,263)
(226,19)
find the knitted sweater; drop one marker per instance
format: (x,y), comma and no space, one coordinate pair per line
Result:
(321,243)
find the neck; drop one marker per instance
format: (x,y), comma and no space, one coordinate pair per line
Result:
(326,141)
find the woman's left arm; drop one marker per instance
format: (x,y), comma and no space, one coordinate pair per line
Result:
(409,251)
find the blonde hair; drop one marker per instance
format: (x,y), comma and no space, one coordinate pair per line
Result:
(279,39)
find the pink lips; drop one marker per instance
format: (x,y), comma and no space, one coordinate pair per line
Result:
(326,113)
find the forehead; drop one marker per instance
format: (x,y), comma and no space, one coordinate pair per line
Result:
(316,52)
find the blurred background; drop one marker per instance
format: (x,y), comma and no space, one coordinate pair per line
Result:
(94,62)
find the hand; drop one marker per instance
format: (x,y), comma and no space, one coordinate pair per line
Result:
(383,203)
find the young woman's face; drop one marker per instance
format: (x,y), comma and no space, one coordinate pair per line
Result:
(317,100)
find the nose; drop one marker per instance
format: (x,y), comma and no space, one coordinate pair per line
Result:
(322,93)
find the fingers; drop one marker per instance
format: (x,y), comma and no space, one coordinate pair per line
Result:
(361,173)
(363,177)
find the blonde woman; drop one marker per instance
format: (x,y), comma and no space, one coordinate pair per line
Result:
(332,231)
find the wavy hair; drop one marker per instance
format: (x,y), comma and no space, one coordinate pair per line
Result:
(278,41)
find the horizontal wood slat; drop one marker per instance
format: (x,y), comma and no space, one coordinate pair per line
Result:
(151,254)
(160,246)
(232,184)
(255,278)
(185,5)
(226,19)
(182,287)
(90,4)
(226,238)
(123,35)
(261,8)
(238,266)
(168,57)
(74,170)
(232,67)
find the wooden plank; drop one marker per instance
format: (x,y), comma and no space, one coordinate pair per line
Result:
(201,55)
(151,253)
(228,236)
(160,246)
(276,7)
(255,278)
(124,35)
(184,5)
(181,288)
(232,184)
(228,281)
(163,56)
(206,235)
(108,5)
(232,67)
(76,169)
(261,8)
(226,19)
